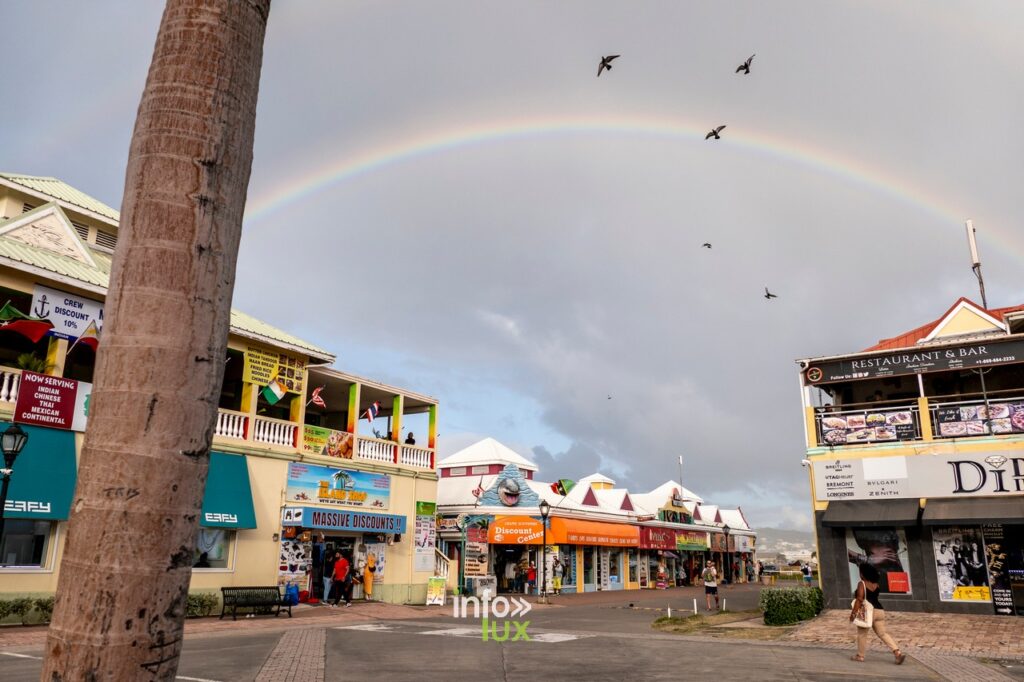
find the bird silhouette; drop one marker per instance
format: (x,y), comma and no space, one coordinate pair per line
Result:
(606,63)
(745,66)
(769,295)
(706,245)
(609,397)
(714,133)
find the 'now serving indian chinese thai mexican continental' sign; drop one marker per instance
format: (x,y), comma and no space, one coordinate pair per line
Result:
(955,475)
(916,361)
(55,402)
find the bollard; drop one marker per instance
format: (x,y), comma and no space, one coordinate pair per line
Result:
(670,611)
(725,603)
(695,606)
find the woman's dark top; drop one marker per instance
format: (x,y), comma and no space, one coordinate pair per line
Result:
(871,597)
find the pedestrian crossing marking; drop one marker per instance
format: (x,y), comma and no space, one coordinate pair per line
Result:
(368,627)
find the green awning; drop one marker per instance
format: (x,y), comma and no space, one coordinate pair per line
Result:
(227,500)
(43,479)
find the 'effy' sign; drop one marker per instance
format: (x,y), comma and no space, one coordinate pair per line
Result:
(955,475)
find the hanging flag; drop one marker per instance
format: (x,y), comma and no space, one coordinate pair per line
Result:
(274,391)
(479,489)
(90,337)
(316,399)
(32,328)
(562,486)
(372,411)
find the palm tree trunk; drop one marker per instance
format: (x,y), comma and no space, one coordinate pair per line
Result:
(127,563)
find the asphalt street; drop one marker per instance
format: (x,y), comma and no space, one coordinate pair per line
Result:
(602,638)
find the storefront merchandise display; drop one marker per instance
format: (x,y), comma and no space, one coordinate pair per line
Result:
(960,564)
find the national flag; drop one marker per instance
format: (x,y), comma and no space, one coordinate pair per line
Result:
(274,391)
(562,486)
(32,328)
(372,411)
(316,399)
(90,337)
(479,489)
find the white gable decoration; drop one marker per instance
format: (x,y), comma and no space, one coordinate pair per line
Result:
(49,228)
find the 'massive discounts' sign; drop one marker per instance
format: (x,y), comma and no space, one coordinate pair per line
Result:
(55,402)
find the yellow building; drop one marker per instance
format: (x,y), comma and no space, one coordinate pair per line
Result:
(275,450)
(915,449)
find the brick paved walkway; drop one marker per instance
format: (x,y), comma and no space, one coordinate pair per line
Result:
(967,635)
(957,668)
(298,657)
(305,617)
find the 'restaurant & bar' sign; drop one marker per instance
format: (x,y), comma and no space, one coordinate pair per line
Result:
(916,362)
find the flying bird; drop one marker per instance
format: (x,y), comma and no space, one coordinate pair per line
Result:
(609,397)
(606,63)
(769,295)
(745,66)
(714,133)
(706,245)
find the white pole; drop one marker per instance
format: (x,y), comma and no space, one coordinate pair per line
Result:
(669,610)
(695,606)
(725,604)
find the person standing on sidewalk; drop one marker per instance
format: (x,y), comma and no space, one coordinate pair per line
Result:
(556,575)
(328,568)
(710,578)
(867,591)
(340,576)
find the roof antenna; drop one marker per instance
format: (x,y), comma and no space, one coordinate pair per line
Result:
(976,262)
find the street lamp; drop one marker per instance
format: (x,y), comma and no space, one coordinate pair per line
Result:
(462,522)
(545,510)
(11,442)
(726,564)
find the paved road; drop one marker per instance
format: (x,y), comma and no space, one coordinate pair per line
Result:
(586,637)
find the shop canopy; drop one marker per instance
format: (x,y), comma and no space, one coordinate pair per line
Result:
(843,513)
(43,477)
(974,510)
(576,532)
(227,500)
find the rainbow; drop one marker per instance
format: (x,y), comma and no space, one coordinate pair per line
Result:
(790,151)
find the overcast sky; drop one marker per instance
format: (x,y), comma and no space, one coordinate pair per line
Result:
(447,197)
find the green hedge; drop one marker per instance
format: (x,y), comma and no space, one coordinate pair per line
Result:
(40,610)
(787,605)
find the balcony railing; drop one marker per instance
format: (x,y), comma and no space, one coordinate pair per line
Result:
(10,379)
(275,432)
(969,418)
(239,426)
(376,450)
(414,456)
(234,425)
(888,424)
(442,564)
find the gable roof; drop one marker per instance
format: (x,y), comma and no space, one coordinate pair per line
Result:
(61,191)
(930,330)
(47,227)
(486,451)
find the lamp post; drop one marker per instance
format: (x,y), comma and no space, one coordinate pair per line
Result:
(11,442)
(726,564)
(462,522)
(545,510)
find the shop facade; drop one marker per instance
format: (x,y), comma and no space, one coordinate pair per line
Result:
(915,451)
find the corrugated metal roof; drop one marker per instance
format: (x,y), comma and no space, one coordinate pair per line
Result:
(52,262)
(910,339)
(63,192)
(242,323)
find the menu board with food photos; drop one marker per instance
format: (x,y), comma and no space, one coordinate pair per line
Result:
(262,366)
(974,420)
(868,427)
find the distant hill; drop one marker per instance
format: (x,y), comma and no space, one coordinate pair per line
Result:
(792,543)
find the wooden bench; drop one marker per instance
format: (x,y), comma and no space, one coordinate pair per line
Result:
(253,598)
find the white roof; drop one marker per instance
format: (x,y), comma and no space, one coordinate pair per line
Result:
(595,478)
(659,497)
(486,451)
(734,519)
(707,513)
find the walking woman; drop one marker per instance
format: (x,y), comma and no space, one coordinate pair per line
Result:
(867,591)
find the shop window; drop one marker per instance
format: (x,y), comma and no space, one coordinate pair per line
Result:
(615,566)
(24,542)
(886,550)
(80,363)
(213,548)
(588,565)
(231,388)
(632,565)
